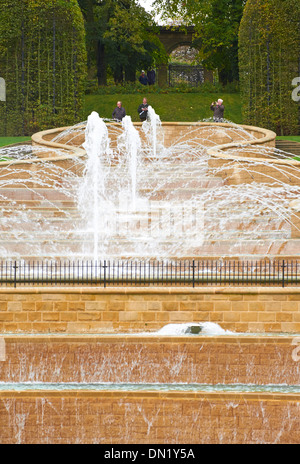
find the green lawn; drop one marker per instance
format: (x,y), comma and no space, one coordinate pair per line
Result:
(170,107)
(294,138)
(10,140)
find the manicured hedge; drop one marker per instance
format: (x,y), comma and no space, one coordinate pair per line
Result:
(43,61)
(269,51)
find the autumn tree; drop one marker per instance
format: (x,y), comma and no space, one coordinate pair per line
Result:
(216,24)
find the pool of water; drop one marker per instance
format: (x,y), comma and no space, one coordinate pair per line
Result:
(140,387)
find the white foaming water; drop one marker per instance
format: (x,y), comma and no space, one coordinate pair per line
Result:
(207,328)
(153,130)
(92,194)
(132,144)
(132,197)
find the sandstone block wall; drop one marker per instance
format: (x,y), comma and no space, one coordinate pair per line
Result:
(98,310)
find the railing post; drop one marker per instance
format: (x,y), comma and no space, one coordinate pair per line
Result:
(15,274)
(283,274)
(193,273)
(104,273)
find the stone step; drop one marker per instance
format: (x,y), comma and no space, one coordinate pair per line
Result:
(217,220)
(250,248)
(181,183)
(203,260)
(129,235)
(159,213)
(288,146)
(24,194)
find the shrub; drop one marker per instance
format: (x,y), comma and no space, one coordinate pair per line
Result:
(138,88)
(43,61)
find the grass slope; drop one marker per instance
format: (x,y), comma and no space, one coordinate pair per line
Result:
(294,138)
(170,107)
(10,140)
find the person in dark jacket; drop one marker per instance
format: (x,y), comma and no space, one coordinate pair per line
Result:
(119,112)
(218,109)
(143,78)
(151,77)
(143,110)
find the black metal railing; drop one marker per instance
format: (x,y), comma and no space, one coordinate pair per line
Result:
(191,273)
(191,75)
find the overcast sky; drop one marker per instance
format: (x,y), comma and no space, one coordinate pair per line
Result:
(146,4)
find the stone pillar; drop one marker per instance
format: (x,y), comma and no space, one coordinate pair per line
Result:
(208,76)
(162,78)
(295,218)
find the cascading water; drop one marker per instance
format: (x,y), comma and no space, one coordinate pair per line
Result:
(153,130)
(131,142)
(134,196)
(129,197)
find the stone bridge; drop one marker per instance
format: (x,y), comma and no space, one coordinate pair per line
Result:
(172,38)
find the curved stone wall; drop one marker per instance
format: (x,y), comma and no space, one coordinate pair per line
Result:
(218,146)
(245,147)
(180,130)
(217,142)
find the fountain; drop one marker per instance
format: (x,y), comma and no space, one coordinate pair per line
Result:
(191,200)
(148,364)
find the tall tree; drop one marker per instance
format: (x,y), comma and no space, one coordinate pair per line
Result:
(269,54)
(43,61)
(217,24)
(121,35)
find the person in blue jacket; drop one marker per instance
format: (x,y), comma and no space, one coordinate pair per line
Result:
(143,78)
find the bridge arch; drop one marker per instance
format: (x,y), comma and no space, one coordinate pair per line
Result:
(172,38)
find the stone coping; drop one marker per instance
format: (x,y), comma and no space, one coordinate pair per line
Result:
(154,338)
(38,139)
(215,152)
(164,395)
(152,290)
(267,136)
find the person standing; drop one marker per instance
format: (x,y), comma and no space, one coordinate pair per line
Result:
(151,77)
(143,110)
(143,78)
(119,112)
(218,109)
